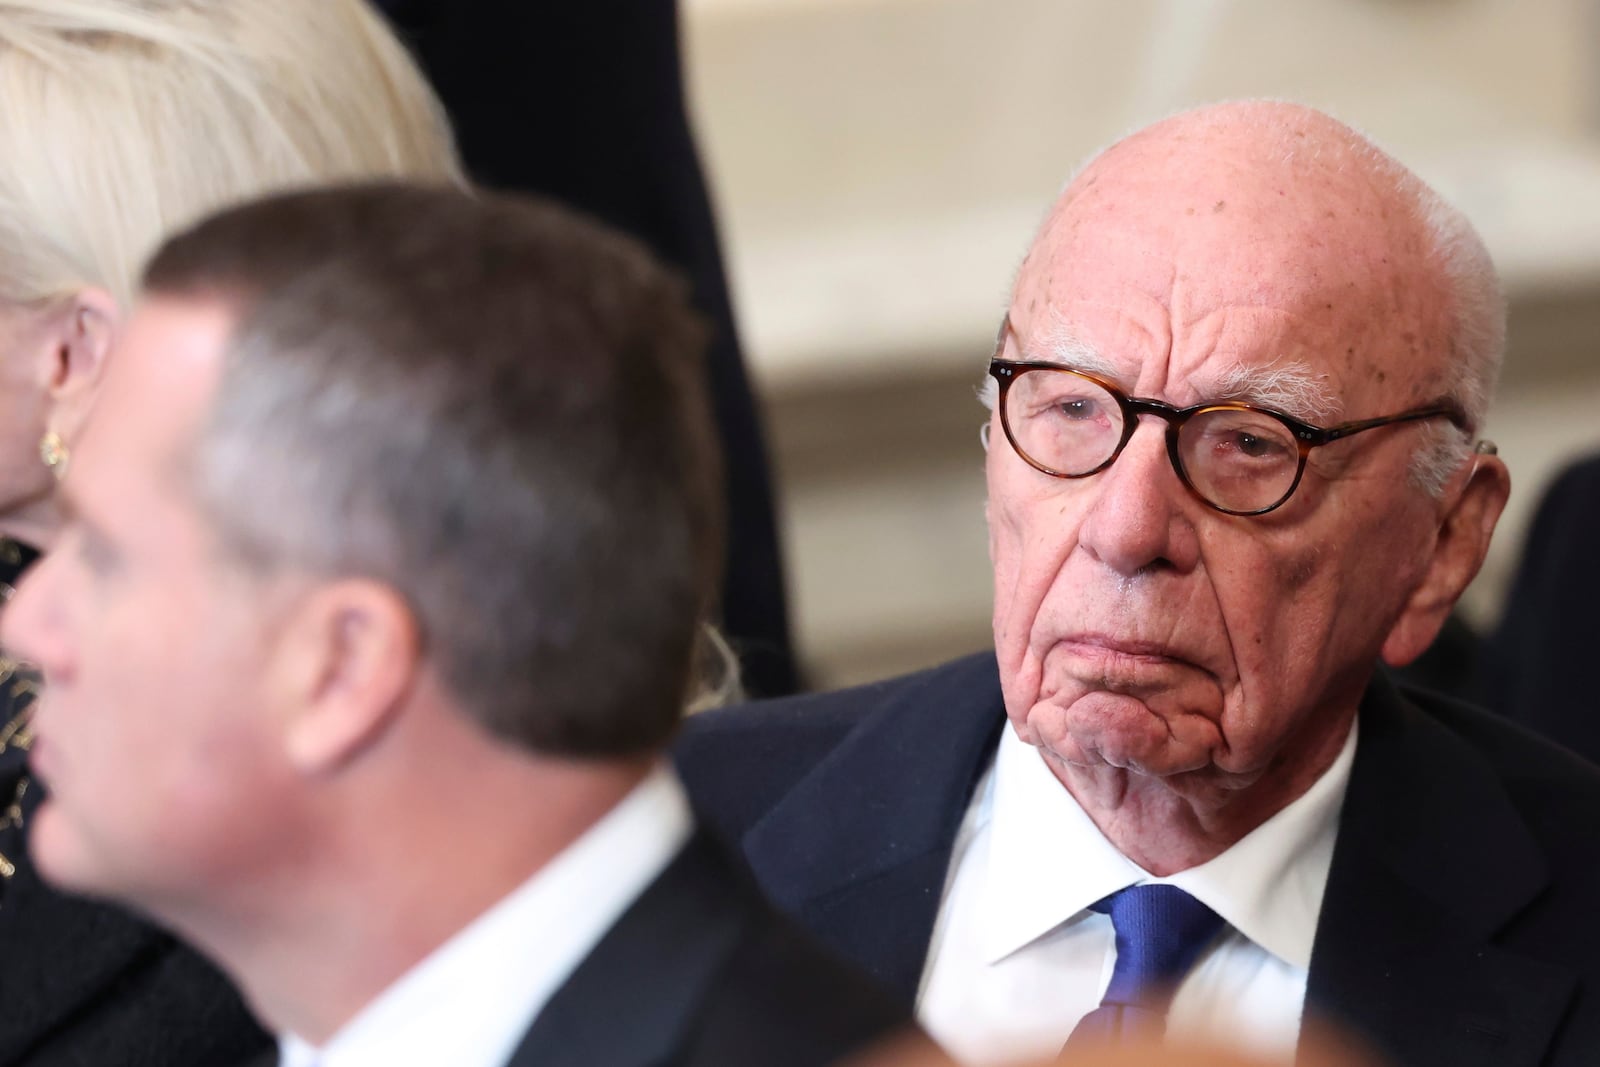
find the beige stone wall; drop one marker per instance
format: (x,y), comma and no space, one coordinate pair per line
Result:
(879,165)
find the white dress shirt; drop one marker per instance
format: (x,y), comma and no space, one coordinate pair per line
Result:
(469,1002)
(1017,958)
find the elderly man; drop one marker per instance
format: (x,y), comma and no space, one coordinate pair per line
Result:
(375,608)
(1231,470)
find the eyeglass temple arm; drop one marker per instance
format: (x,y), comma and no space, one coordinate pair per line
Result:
(1457,418)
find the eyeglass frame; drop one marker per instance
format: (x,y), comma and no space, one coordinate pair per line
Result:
(1306,435)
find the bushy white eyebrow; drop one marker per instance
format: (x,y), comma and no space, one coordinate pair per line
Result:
(1056,342)
(1290,387)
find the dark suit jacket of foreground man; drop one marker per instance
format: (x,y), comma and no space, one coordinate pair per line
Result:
(1459,926)
(701,972)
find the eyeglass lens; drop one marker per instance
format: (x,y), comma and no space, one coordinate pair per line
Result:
(1239,460)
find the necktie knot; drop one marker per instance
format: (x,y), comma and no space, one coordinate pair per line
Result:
(1160,931)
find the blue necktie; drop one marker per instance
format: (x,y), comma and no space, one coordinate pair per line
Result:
(1161,931)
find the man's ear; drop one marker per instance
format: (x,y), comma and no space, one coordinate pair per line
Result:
(76,358)
(349,658)
(1458,552)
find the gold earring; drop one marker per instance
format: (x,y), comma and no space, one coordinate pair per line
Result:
(53,451)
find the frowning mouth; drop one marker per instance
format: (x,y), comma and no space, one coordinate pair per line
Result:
(1107,650)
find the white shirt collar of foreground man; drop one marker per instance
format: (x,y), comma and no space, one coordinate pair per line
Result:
(469,1003)
(1016,957)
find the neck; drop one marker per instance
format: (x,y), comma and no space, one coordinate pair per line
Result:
(1167,825)
(398,874)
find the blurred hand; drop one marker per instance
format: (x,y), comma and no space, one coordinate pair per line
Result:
(1320,1049)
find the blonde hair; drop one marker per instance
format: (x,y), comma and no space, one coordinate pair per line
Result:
(124,120)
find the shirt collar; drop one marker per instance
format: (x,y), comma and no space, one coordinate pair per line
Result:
(469,1002)
(1048,861)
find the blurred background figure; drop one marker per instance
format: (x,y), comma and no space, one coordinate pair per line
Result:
(585,102)
(119,121)
(1537,666)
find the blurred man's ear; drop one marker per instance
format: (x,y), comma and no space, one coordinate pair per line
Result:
(349,658)
(74,362)
(1459,548)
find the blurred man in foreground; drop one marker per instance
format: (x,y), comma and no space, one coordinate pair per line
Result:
(1233,467)
(375,608)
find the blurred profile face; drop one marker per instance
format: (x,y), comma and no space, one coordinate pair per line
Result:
(1137,628)
(150,734)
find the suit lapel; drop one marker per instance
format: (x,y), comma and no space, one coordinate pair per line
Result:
(61,953)
(867,835)
(653,970)
(1432,860)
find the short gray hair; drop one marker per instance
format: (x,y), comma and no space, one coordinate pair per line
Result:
(489,405)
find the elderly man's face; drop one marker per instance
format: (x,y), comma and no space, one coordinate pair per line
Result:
(150,733)
(1136,628)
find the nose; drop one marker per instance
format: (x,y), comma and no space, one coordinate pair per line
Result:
(1139,512)
(28,627)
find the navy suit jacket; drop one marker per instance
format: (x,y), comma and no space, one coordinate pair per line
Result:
(1460,927)
(701,972)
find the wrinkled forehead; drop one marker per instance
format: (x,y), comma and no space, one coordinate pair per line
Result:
(1208,248)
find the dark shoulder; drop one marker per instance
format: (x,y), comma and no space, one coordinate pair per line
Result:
(176,1008)
(168,1007)
(1520,754)
(740,760)
(85,982)
(1556,791)
(781,1001)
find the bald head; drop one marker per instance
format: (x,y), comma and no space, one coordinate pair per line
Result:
(1261,204)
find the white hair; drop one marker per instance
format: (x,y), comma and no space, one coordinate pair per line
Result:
(717,680)
(124,120)
(1477,340)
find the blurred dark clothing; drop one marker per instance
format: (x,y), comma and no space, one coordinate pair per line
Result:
(1452,665)
(700,971)
(83,983)
(1536,665)
(585,102)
